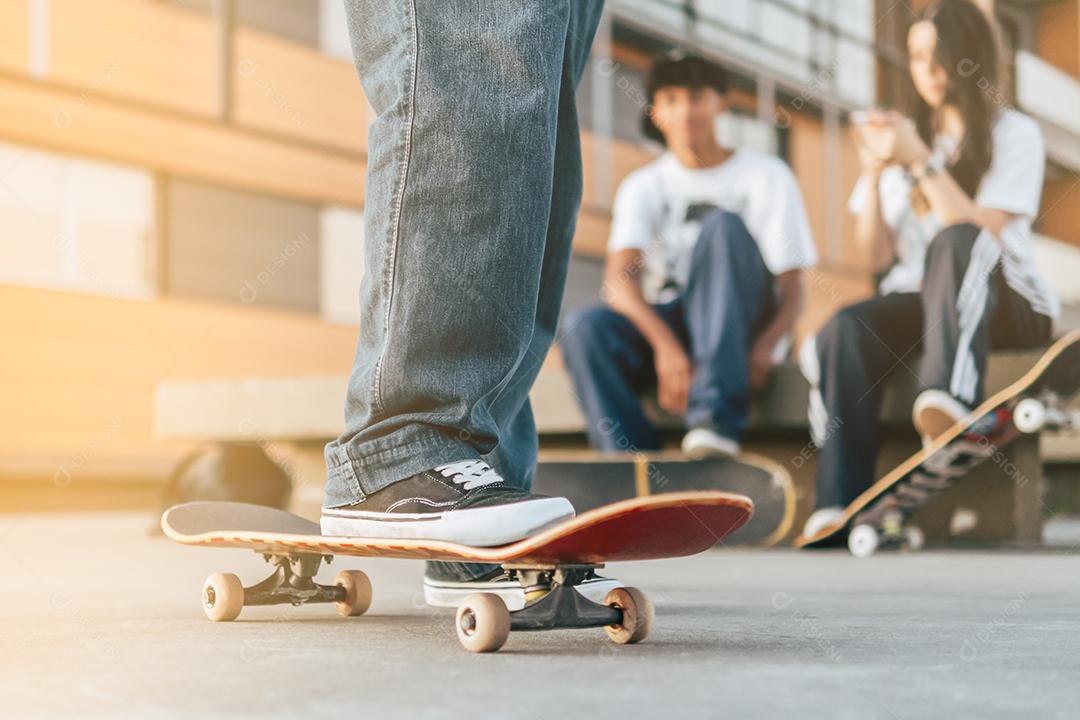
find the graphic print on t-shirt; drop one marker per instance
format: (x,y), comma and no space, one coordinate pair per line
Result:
(660,209)
(678,234)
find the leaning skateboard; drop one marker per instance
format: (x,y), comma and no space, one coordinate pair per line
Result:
(665,526)
(590,479)
(1040,399)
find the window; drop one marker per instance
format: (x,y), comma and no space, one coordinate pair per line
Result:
(341,264)
(74,224)
(627,92)
(290,19)
(241,247)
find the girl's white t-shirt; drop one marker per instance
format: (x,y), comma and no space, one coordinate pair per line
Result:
(1013,183)
(659,208)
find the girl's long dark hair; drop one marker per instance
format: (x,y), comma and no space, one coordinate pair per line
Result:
(967,48)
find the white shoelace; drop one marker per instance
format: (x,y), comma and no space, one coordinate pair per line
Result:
(470,474)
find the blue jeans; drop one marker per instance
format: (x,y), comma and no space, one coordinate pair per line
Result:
(729,297)
(473,187)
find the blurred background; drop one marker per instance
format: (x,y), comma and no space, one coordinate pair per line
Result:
(181,213)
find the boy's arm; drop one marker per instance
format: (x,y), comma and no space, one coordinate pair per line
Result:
(792,299)
(622,293)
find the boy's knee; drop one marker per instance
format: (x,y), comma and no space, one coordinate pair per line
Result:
(723,224)
(585,325)
(842,327)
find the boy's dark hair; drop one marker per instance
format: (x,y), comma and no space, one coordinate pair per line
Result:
(677,69)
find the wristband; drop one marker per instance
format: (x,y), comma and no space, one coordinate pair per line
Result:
(934,164)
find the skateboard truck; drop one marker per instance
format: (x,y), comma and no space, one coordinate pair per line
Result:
(292,582)
(1047,411)
(563,606)
(865,539)
(483,622)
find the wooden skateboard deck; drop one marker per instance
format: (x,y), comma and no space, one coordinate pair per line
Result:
(639,529)
(590,479)
(559,558)
(1038,399)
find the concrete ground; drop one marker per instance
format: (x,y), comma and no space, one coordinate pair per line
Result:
(98,620)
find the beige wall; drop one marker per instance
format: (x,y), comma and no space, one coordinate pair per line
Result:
(13,36)
(78,372)
(1060,215)
(1058,35)
(842,276)
(230,246)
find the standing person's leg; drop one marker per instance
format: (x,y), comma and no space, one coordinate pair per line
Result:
(729,296)
(514,458)
(611,363)
(515,455)
(969,307)
(461,167)
(846,364)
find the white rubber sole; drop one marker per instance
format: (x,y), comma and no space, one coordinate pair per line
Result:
(700,442)
(821,519)
(450,594)
(935,412)
(479,527)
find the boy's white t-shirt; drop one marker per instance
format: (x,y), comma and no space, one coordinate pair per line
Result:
(1013,183)
(659,209)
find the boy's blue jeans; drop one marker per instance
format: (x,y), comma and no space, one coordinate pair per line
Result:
(730,296)
(472,192)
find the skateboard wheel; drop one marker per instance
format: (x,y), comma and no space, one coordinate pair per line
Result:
(222,597)
(914,539)
(357,588)
(863,541)
(482,622)
(1029,416)
(637,615)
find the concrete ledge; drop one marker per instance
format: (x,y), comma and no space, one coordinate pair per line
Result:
(311,408)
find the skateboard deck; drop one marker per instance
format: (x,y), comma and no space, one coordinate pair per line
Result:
(590,479)
(1039,399)
(560,557)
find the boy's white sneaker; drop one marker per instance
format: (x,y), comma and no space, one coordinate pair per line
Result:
(706,442)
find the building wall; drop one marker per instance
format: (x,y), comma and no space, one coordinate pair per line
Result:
(178,202)
(78,372)
(1059,35)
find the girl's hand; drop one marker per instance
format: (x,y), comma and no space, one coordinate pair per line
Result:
(874,139)
(908,148)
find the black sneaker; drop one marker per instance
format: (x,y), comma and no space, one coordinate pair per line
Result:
(451,593)
(465,502)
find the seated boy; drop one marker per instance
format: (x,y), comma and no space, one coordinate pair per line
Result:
(703,279)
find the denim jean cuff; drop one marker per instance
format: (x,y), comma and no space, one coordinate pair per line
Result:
(356,470)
